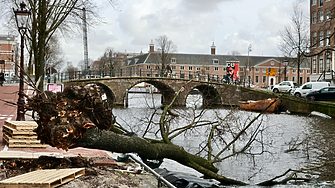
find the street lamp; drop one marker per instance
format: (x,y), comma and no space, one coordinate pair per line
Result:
(285,64)
(248,67)
(21,17)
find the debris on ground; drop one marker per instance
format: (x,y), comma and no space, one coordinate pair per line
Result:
(119,175)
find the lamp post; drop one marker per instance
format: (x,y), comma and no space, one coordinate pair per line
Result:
(285,64)
(248,66)
(21,17)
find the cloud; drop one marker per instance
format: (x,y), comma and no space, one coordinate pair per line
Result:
(191,24)
(203,6)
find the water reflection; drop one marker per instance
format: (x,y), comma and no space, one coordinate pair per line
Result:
(310,140)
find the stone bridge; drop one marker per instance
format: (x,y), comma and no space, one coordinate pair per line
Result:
(213,93)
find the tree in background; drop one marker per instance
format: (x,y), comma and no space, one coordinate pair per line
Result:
(109,60)
(234,53)
(81,65)
(50,17)
(53,56)
(71,70)
(165,48)
(295,37)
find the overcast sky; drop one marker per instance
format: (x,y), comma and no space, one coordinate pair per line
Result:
(191,24)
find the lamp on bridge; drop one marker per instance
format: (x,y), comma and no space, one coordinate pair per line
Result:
(285,62)
(21,17)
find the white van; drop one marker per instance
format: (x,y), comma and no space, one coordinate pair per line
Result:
(308,87)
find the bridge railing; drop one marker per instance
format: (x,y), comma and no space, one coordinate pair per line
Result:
(108,73)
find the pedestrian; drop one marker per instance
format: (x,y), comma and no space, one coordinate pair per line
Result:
(2,78)
(168,68)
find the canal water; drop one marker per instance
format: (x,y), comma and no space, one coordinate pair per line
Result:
(286,141)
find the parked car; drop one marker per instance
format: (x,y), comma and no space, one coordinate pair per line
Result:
(284,87)
(324,94)
(309,87)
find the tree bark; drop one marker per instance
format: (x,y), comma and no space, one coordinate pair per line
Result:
(110,141)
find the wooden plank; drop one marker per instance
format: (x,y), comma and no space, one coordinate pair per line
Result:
(22,125)
(12,131)
(49,178)
(21,141)
(22,145)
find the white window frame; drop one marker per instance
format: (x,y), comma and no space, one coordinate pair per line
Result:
(182,68)
(320,13)
(314,64)
(314,18)
(216,68)
(328,62)
(328,37)
(320,63)
(173,60)
(215,61)
(321,39)
(314,39)
(328,14)
(313,2)
(190,68)
(320,3)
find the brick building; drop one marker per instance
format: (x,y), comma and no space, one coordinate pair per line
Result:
(8,55)
(199,66)
(321,38)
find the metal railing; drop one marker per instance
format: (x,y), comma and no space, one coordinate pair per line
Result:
(324,73)
(109,73)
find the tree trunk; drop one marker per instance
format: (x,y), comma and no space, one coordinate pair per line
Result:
(110,141)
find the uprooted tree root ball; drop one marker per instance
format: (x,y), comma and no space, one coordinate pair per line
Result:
(64,117)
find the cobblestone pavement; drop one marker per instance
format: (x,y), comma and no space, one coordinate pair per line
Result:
(9,94)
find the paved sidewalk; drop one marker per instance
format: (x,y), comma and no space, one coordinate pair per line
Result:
(9,93)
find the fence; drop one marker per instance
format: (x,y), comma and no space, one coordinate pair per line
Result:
(108,73)
(326,75)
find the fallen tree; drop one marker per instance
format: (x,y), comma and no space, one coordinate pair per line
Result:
(78,117)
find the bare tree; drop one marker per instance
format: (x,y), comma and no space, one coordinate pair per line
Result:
(165,48)
(82,66)
(295,37)
(234,53)
(53,56)
(109,60)
(50,17)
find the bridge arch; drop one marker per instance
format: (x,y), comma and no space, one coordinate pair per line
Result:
(210,94)
(111,98)
(166,91)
